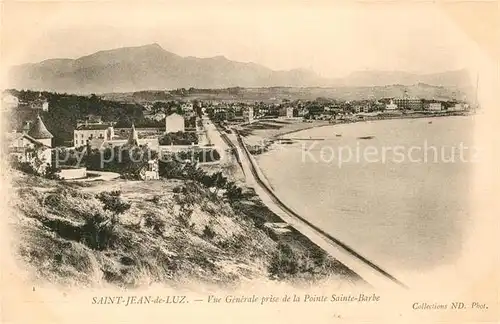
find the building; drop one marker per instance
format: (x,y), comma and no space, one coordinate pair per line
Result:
(457,107)
(34,147)
(45,106)
(133,137)
(9,102)
(263,110)
(407,103)
(174,123)
(40,132)
(143,132)
(435,106)
(248,114)
(84,133)
(131,140)
(90,120)
(285,112)
(158,116)
(187,106)
(39,103)
(302,112)
(150,171)
(391,106)
(27,149)
(362,108)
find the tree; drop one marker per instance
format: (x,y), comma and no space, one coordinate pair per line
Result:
(233,192)
(219,181)
(113,202)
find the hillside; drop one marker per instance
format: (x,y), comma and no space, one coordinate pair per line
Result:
(276,94)
(150,67)
(133,233)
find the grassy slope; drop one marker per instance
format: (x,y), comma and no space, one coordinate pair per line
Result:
(164,237)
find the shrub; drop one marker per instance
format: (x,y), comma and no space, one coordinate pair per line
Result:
(99,232)
(155,223)
(52,200)
(51,172)
(184,217)
(233,192)
(179,138)
(113,202)
(208,233)
(155,199)
(25,167)
(284,262)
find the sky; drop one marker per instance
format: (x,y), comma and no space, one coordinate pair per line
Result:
(333,40)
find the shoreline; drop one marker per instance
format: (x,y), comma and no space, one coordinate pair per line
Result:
(260,139)
(265,172)
(457,114)
(360,265)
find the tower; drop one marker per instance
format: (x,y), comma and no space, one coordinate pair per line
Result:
(133,138)
(40,132)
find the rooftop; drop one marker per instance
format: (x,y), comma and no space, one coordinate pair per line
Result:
(93,127)
(14,137)
(38,130)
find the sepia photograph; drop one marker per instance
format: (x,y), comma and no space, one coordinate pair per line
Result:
(281,161)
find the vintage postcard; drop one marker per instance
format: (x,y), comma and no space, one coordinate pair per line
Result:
(250,161)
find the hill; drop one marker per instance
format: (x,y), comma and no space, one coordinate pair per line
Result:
(167,232)
(151,67)
(277,94)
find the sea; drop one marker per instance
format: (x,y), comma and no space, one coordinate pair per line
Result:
(396,191)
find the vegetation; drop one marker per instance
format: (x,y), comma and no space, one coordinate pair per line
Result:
(36,166)
(179,138)
(125,160)
(65,110)
(130,237)
(113,202)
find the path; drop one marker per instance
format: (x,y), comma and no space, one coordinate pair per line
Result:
(215,138)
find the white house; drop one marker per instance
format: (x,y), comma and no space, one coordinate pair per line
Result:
(187,106)
(248,114)
(36,143)
(174,123)
(132,140)
(435,106)
(289,112)
(84,133)
(302,112)
(457,107)
(150,171)
(391,106)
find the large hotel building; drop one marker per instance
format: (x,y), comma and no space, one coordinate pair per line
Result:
(409,103)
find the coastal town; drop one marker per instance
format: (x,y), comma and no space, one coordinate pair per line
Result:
(246,161)
(141,157)
(172,126)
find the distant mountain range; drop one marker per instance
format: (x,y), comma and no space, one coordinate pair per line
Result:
(150,67)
